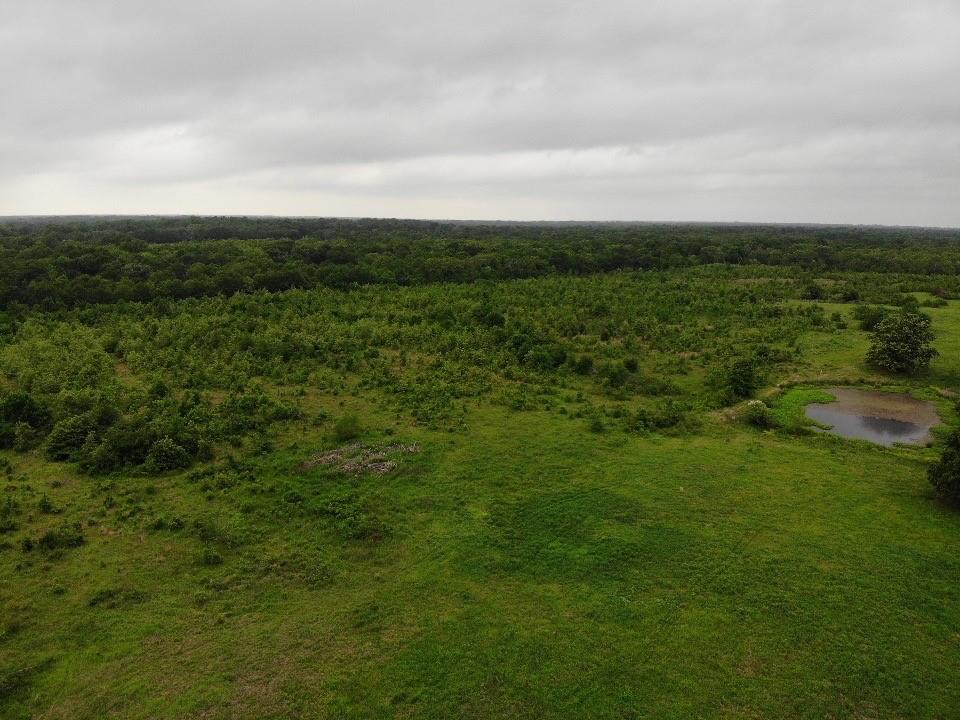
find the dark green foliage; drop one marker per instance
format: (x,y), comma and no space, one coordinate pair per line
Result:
(125,443)
(21,417)
(251,410)
(596,424)
(583,365)
(68,535)
(166,455)
(69,435)
(9,512)
(614,374)
(740,379)
(57,263)
(23,407)
(666,414)
(347,427)
(869,316)
(153,342)
(757,413)
(901,343)
(46,506)
(351,519)
(209,557)
(944,474)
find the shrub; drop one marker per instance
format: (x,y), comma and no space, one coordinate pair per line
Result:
(128,442)
(812,292)
(209,557)
(166,455)
(68,436)
(614,374)
(662,416)
(944,474)
(869,316)
(597,425)
(46,506)
(22,407)
(901,343)
(740,379)
(351,521)
(347,427)
(583,365)
(756,413)
(9,510)
(25,437)
(65,536)
(547,357)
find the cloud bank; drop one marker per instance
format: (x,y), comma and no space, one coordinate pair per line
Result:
(759,110)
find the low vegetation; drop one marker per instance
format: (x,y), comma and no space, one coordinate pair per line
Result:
(284,468)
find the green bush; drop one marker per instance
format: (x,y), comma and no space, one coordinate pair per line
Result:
(944,474)
(740,379)
(68,436)
(664,415)
(756,413)
(21,417)
(23,407)
(347,427)
(869,316)
(614,374)
(582,365)
(166,455)
(126,443)
(9,511)
(596,424)
(209,557)
(64,536)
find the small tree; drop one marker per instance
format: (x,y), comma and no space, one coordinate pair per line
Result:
(740,379)
(944,474)
(869,316)
(901,343)
(166,455)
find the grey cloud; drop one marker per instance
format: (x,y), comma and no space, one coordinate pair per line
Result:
(739,109)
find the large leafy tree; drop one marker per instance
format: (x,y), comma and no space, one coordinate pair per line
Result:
(901,343)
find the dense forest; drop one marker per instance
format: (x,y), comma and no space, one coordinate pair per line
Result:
(68,263)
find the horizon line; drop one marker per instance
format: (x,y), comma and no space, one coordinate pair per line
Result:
(452,221)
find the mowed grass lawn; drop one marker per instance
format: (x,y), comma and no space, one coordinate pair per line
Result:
(525,568)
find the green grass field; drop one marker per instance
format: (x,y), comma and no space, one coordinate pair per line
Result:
(522,566)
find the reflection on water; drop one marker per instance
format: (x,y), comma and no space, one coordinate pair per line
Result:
(883,431)
(882,418)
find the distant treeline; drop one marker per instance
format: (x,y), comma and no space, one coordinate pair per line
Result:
(69,262)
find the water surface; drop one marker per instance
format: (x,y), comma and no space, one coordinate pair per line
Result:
(882,418)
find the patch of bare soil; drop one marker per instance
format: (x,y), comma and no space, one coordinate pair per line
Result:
(361,459)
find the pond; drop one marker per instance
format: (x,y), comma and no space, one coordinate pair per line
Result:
(882,418)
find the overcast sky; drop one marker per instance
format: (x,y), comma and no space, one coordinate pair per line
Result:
(809,110)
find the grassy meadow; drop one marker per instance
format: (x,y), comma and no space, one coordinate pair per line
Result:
(522,498)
